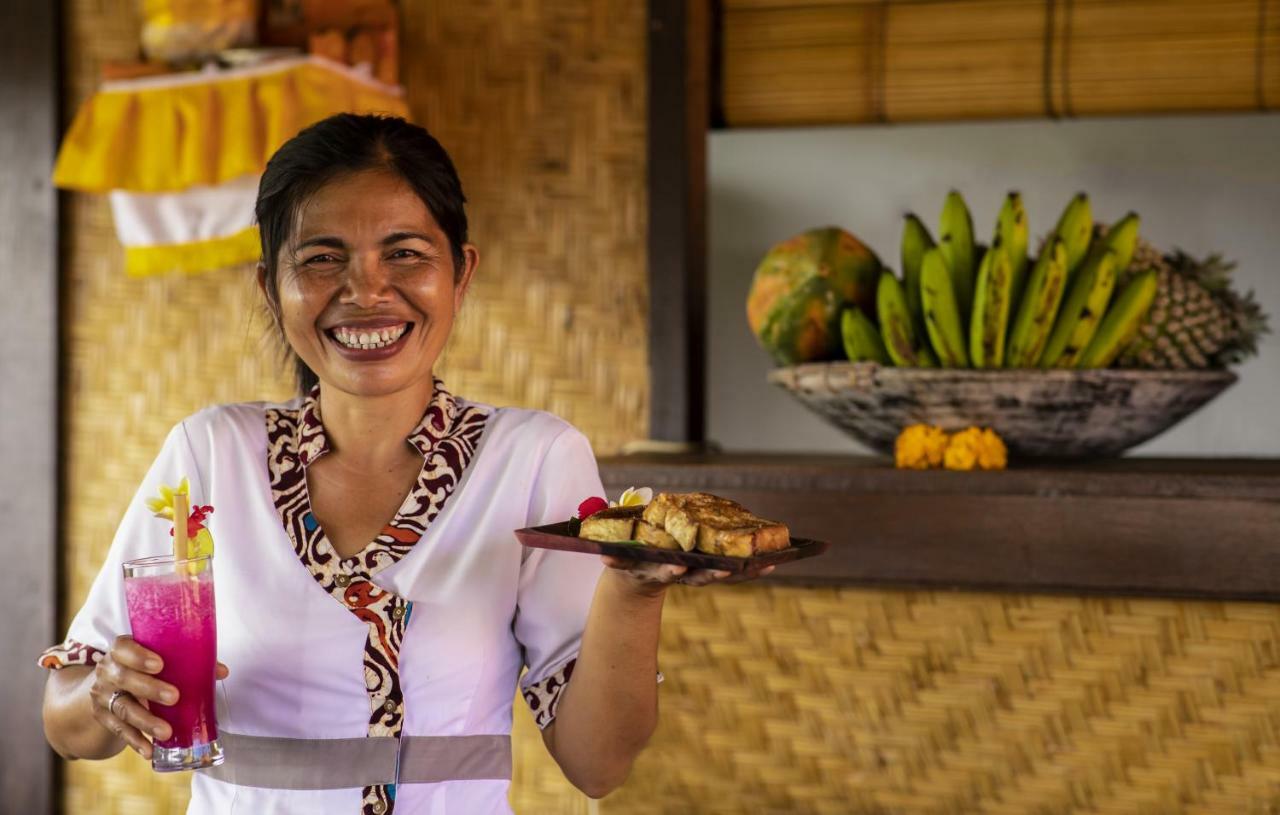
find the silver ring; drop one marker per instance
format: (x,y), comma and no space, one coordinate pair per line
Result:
(111,703)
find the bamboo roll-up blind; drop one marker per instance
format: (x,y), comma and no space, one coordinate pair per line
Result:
(793,62)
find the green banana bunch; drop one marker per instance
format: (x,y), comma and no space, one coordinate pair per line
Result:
(1084,307)
(897,328)
(915,242)
(1090,291)
(1039,306)
(1014,233)
(861,339)
(959,304)
(991,303)
(942,311)
(1122,321)
(1075,228)
(955,239)
(1122,238)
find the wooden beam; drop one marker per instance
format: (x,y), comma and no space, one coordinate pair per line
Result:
(1202,528)
(679,112)
(28,394)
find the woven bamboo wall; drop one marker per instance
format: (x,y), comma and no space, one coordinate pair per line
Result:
(849,701)
(788,62)
(777,700)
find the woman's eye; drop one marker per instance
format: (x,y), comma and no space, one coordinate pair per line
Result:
(405,254)
(320,260)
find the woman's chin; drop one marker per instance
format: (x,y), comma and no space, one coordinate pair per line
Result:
(376,379)
(370,384)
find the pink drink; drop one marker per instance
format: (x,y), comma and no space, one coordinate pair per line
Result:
(171,612)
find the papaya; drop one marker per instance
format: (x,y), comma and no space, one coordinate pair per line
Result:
(800,289)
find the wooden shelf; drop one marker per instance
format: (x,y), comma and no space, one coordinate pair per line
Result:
(1178,527)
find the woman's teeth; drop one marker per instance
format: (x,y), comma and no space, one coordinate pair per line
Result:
(366,338)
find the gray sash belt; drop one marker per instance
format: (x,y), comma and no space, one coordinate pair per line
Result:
(330,764)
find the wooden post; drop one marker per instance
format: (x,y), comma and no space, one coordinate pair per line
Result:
(28,394)
(679,113)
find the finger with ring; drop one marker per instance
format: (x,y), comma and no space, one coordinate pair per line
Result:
(111,703)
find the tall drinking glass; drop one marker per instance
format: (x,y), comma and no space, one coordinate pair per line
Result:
(171,612)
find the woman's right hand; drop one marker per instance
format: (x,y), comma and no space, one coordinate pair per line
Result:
(130,669)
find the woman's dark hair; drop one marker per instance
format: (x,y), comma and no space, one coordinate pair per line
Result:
(340,145)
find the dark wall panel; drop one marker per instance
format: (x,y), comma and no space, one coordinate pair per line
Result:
(28,393)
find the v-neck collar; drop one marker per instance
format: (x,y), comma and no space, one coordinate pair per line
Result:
(446,437)
(311,442)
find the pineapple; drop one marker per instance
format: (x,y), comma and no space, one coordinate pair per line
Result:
(1197,321)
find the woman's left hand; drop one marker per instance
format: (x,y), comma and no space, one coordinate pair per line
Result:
(653,578)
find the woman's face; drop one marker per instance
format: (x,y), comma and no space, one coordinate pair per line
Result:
(367,286)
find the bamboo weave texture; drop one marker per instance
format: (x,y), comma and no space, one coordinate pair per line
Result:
(795,62)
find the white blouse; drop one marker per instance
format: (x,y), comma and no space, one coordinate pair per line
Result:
(422,634)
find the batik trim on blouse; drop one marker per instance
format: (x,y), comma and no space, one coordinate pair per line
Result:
(544,697)
(71,652)
(447,437)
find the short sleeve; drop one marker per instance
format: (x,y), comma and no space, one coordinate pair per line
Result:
(103,616)
(556,587)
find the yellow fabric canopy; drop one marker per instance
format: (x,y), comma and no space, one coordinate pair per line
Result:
(173,132)
(195,256)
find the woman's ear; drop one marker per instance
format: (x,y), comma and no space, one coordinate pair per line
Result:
(470,261)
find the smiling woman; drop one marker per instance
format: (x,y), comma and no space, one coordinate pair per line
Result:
(371,205)
(398,500)
(369,261)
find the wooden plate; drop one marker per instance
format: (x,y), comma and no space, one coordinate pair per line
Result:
(556,536)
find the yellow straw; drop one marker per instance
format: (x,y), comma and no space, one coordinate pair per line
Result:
(181,509)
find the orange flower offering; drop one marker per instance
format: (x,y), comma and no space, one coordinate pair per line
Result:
(920,447)
(924,447)
(992,454)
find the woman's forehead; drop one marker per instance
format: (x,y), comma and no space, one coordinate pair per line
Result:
(372,201)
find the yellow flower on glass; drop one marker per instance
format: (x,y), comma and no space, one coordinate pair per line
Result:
(199,539)
(919,447)
(163,506)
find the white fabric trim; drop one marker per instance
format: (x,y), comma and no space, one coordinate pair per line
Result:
(180,78)
(195,214)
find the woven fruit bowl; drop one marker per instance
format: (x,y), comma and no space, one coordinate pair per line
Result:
(1052,413)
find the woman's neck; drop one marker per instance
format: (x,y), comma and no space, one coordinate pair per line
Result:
(369,431)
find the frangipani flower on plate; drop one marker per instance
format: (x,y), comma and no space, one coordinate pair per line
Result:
(633,497)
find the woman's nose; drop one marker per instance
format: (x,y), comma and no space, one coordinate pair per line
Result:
(368,281)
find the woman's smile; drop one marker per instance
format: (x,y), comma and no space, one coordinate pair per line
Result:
(370,341)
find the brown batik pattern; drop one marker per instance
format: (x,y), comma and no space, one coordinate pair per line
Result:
(544,697)
(447,438)
(71,652)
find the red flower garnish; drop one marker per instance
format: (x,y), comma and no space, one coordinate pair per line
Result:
(195,522)
(590,507)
